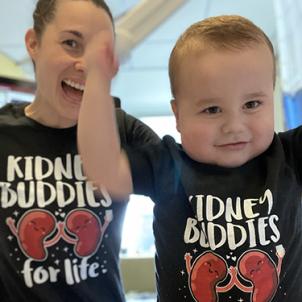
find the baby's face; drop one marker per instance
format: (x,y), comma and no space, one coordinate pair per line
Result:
(224,108)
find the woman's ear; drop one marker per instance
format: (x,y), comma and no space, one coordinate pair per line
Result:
(32,43)
(175,111)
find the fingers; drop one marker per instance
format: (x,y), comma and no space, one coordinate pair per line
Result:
(100,55)
(111,60)
(116,64)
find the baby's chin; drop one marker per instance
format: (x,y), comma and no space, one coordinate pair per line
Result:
(233,160)
(231,163)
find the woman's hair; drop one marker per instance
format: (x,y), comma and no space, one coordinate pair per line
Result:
(45,11)
(228,32)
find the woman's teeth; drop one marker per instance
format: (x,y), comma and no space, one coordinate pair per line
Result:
(74,85)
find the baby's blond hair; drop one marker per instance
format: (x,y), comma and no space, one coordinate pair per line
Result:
(228,32)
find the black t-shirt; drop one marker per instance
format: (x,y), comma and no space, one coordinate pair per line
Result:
(60,238)
(225,234)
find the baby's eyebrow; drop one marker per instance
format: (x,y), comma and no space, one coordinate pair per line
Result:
(208,101)
(255,95)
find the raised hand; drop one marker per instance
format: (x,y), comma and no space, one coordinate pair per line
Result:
(100,58)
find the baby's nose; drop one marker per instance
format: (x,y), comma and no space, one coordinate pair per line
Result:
(233,123)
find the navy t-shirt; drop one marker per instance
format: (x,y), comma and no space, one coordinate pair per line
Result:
(60,237)
(225,234)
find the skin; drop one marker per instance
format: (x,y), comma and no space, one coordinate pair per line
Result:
(224,108)
(63,54)
(224,113)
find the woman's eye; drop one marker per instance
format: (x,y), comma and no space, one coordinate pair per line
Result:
(71,43)
(252,104)
(212,110)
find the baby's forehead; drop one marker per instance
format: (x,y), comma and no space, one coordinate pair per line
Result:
(194,46)
(196,51)
(216,73)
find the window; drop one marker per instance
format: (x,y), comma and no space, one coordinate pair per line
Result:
(15,90)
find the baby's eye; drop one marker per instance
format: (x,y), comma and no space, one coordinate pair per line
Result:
(252,104)
(212,110)
(71,43)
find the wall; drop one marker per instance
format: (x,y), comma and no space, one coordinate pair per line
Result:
(9,69)
(288,19)
(138,274)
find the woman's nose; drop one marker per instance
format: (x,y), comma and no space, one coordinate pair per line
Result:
(79,65)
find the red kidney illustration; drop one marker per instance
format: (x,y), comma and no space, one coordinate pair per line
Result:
(208,270)
(86,226)
(258,268)
(33,228)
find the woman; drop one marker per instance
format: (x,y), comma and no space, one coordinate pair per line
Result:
(60,239)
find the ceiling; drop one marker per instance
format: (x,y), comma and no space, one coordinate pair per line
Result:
(142,82)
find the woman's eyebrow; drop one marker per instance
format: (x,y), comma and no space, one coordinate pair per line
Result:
(74,32)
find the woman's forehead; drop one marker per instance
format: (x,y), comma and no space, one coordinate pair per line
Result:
(80,14)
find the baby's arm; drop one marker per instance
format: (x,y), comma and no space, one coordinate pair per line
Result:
(104,162)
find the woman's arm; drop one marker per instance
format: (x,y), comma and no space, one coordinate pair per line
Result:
(105,164)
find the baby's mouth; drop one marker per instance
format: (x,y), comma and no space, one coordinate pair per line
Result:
(233,145)
(73,90)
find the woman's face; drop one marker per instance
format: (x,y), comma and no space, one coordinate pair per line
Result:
(59,60)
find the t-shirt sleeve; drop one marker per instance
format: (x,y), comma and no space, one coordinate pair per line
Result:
(143,163)
(292,143)
(155,170)
(134,132)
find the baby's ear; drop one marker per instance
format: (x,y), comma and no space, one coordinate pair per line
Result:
(175,111)
(32,43)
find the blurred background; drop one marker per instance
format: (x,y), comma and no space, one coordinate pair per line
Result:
(146,33)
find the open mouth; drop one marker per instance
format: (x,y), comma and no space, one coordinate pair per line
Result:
(73,90)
